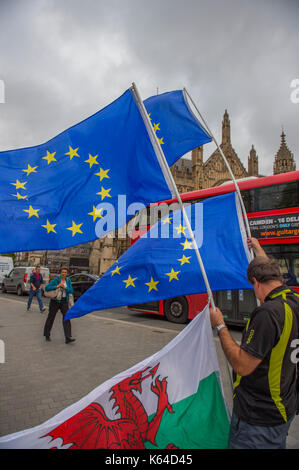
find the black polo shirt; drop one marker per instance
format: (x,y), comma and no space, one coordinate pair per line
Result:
(267,397)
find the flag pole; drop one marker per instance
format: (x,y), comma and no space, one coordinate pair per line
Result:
(227,166)
(171,184)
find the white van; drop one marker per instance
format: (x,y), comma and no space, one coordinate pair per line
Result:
(18,280)
(6,265)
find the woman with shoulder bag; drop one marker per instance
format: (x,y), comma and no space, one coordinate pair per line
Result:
(60,291)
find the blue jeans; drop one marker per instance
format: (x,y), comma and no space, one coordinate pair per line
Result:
(38,294)
(246,436)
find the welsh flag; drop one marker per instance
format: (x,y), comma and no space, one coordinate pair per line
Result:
(173,399)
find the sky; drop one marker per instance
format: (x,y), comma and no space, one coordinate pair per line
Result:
(63,60)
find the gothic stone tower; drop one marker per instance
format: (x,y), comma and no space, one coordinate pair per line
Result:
(197,167)
(284,159)
(214,169)
(253,163)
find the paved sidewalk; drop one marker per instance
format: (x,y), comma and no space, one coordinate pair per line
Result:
(39,379)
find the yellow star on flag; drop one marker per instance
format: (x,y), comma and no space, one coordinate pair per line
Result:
(92,160)
(161,141)
(50,227)
(116,271)
(149,115)
(19,185)
(173,275)
(184,259)
(180,229)
(72,152)
(102,174)
(32,212)
(30,169)
(19,196)
(75,228)
(156,127)
(187,245)
(96,213)
(152,284)
(104,193)
(130,281)
(50,157)
(167,220)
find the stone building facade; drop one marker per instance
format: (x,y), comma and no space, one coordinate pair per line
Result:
(76,258)
(196,174)
(105,251)
(189,174)
(284,159)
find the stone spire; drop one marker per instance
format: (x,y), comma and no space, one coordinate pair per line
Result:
(284,159)
(197,167)
(226,129)
(253,163)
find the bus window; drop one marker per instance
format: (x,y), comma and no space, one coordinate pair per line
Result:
(247,303)
(288,259)
(280,196)
(224,300)
(284,266)
(248,199)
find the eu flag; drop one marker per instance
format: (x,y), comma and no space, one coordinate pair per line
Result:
(53,195)
(171,111)
(163,264)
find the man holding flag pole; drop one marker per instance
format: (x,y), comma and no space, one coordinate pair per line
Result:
(266,379)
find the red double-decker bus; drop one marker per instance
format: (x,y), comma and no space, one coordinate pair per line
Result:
(272,206)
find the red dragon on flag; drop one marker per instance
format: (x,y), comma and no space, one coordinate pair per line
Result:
(92,429)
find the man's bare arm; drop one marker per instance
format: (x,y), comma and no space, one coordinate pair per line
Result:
(242,362)
(254,244)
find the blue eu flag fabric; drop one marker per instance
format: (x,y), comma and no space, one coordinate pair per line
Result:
(171,111)
(163,264)
(55,194)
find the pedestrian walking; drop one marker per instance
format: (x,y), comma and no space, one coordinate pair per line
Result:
(36,281)
(61,288)
(265,370)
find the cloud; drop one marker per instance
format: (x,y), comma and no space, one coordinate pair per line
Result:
(63,60)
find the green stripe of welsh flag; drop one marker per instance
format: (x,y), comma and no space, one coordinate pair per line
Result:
(199,421)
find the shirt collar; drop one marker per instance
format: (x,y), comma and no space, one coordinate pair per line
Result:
(275,291)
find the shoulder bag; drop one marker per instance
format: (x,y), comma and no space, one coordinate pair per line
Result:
(55,294)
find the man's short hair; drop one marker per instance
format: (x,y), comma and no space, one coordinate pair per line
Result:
(38,266)
(264,270)
(64,267)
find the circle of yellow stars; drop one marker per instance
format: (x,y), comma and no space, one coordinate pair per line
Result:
(104,192)
(21,189)
(173,275)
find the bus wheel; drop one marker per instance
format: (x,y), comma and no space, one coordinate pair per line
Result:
(176,310)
